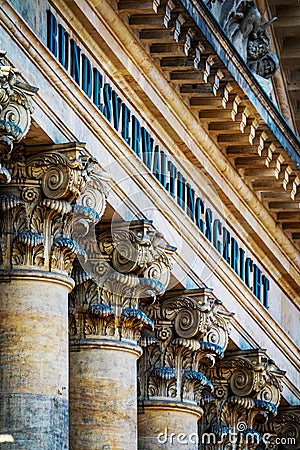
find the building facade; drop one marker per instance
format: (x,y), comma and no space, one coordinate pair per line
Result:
(149,250)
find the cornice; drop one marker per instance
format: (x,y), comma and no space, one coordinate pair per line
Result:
(244,77)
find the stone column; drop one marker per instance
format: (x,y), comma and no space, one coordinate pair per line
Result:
(43,191)
(247,394)
(105,327)
(190,327)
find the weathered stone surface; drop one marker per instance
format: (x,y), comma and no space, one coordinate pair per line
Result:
(40,421)
(241,21)
(130,264)
(247,392)
(15,113)
(103,392)
(168,425)
(34,360)
(191,333)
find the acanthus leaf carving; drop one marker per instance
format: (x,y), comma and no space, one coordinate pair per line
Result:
(40,207)
(247,394)
(15,113)
(182,320)
(136,248)
(283,429)
(119,293)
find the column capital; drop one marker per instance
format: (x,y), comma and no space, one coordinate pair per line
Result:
(15,113)
(181,345)
(136,248)
(110,309)
(132,263)
(52,188)
(283,429)
(247,392)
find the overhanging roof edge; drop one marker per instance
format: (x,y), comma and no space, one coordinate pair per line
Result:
(244,77)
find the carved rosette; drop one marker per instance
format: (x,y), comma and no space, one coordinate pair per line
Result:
(15,113)
(39,207)
(132,264)
(179,347)
(247,394)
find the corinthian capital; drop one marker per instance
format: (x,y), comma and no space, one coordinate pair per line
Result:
(283,430)
(110,308)
(15,113)
(247,393)
(180,345)
(136,248)
(48,193)
(130,263)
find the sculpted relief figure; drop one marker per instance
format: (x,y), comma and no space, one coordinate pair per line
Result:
(241,21)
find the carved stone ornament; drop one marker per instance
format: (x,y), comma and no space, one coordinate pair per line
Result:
(284,429)
(241,21)
(132,264)
(48,193)
(15,113)
(180,345)
(136,248)
(111,310)
(247,393)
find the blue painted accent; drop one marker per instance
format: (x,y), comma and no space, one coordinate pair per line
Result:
(116,107)
(63,46)
(117,112)
(87,76)
(226,243)
(147,148)
(75,61)
(217,231)
(52,33)
(97,89)
(190,202)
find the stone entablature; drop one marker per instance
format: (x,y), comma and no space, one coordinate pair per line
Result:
(242,23)
(186,43)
